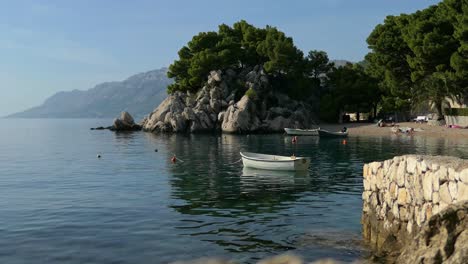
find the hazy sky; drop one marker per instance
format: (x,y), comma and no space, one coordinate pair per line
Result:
(50,46)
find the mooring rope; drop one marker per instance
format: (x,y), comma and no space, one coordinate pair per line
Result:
(235,162)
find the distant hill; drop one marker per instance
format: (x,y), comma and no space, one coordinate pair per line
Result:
(138,95)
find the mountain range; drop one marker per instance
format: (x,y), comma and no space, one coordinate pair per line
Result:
(138,95)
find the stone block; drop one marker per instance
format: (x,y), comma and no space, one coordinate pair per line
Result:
(462,189)
(366,195)
(395,211)
(435,181)
(411,164)
(401,173)
(393,172)
(365,171)
(403,197)
(427,187)
(442,205)
(403,212)
(435,197)
(393,190)
(366,184)
(379,179)
(444,193)
(409,227)
(373,183)
(428,211)
(464,176)
(452,186)
(442,174)
(374,166)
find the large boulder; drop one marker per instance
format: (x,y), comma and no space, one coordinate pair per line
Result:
(443,239)
(241,117)
(124,123)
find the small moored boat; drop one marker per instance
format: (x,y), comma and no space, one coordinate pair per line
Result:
(301,132)
(274,162)
(326,133)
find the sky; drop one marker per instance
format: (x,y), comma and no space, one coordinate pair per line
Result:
(51,46)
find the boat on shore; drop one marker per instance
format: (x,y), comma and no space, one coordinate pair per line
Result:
(301,132)
(274,162)
(331,134)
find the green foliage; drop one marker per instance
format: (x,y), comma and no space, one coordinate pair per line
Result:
(456,111)
(422,57)
(251,94)
(350,89)
(236,47)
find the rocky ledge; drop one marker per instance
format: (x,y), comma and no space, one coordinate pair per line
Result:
(415,209)
(230,102)
(124,123)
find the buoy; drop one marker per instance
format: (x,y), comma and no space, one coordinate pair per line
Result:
(344,142)
(294,140)
(173,159)
(98,156)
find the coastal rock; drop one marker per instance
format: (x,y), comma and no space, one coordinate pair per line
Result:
(442,239)
(216,107)
(124,123)
(241,117)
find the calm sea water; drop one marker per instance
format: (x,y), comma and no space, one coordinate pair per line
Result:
(59,203)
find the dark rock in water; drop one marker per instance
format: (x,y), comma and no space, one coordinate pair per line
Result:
(443,239)
(125,123)
(99,128)
(223,105)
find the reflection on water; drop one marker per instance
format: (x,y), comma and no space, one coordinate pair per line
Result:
(60,204)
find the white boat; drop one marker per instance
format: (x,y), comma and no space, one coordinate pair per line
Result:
(274,162)
(301,132)
(326,133)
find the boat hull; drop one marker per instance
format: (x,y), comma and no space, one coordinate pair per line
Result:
(326,133)
(301,132)
(272,162)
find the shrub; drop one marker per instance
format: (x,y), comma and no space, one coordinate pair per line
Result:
(456,111)
(251,93)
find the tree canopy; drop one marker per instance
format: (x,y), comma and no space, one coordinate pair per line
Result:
(244,45)
(422,57)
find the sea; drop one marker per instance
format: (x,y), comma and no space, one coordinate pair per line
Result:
(61,203)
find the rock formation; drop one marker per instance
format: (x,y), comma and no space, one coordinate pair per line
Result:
(124,123)
(413,195)
(443,239)
(230,102)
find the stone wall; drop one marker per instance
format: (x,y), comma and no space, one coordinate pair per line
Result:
(403,193)
(456,120)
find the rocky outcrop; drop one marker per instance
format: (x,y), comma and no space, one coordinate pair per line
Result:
(443,239)
(232,102)
(124,123)
(405,194)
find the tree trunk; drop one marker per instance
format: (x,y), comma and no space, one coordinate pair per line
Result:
(375,111)
(358,117)
(438,108)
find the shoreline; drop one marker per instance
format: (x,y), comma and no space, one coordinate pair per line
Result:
(371,129)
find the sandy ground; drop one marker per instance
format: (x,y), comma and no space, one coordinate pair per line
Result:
(369,129)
